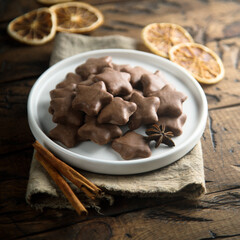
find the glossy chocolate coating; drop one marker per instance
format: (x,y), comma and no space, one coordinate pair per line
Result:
(120,67)
(89,81)
(174,124)
(91,99)
(61,106)
(92,104)
(117,83)
(66,134)
(136,74)
(64,113)
(71,78)
(152,83)
(117,112)
(98,133)
(93,66)
(68,91)
(171,101)
(146,112)
(131,145)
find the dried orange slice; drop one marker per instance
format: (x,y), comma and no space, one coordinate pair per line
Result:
(77,17)
(203,63)
(34,28)
(160,37)
(50,2)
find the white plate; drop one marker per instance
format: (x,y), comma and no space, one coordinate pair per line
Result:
(103,159)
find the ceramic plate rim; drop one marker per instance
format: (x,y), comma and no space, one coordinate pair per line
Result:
(42,137)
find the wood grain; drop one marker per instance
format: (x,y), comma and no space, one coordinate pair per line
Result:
(221,146)
(220,204)
(215,23)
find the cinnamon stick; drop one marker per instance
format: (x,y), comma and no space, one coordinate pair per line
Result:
(62,184)
(75,177)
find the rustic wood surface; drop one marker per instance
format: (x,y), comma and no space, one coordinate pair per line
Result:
(215,23)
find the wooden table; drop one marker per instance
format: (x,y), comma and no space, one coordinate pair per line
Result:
(215,23)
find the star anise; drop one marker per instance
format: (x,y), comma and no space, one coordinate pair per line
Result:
(157,133)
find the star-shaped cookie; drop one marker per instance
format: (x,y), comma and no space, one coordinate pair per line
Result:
(128,97)
(171,101)
(136,74)
(93,66)
(89,81)
(91,99)
(62,111)
(61,106)
(174,124)
(131,145)
(71,78)
(146,112)
(117,112)
(120,67)
(152,82)
(66,134)
(98,133)
(68,91)
(117,83)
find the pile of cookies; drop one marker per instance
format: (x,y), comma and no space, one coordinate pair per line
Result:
(100,97)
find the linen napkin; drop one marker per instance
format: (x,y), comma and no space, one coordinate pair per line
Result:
(183,178)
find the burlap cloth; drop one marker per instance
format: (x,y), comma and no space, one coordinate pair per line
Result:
(183,178)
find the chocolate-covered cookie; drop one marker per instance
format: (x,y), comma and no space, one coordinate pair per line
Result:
(91,99)
(61,106)
(152,83)
(63,113)
(128,97)
(70,79)
(89,81)
(117,112)
(146,112)
(136,74)
(92,104)
(131,145)
(98,133)
(174,124)
(66,134)
(117,83)
(120,67)
(171,101)
(68,91)
(93,66)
